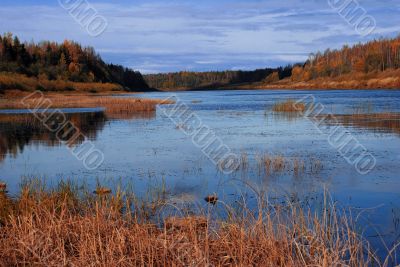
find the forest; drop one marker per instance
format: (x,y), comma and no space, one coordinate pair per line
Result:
(69,66)
(54,63)
(374,56)
(375,64)
(214,79)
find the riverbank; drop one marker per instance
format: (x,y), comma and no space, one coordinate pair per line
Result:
(70,225)
(126,104)
(389,79)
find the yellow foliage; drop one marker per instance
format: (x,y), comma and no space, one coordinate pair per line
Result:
(273,77)
(297,73)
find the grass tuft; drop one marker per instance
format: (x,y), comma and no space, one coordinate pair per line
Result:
(289,106)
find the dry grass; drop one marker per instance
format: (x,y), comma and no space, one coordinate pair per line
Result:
(289,106)
(114,106)
(71,228)
(298,167)
(388,79)
(277,164)
(16,81)
(272,163)
(244,160)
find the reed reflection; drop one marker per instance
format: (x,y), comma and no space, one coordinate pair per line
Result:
(375,122)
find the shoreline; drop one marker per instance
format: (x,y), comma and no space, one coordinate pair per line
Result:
(114,107)
(387,80)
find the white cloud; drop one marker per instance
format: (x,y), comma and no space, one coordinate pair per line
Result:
(152,35)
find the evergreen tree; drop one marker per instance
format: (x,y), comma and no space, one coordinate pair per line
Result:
(68,61)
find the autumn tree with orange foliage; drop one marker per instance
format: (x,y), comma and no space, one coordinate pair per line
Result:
(377,55)
(68,61)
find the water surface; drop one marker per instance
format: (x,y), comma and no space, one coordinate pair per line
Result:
(145,149)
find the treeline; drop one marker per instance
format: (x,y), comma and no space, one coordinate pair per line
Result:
(211,80)
(68,61)
(374,56)
(53,66)
(368,61)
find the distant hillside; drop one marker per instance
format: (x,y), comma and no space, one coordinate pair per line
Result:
(372,65)
(57,64)
(375,64)
(69,66)
(210,80)
(375,56)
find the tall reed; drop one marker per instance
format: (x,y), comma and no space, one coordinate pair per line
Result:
(289,106)
(69,226)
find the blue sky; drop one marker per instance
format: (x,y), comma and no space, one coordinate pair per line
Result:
(161,35)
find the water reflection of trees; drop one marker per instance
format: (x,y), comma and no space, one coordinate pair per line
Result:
(20,130)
